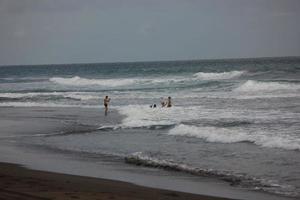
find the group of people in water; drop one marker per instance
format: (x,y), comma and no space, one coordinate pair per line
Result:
(163,102)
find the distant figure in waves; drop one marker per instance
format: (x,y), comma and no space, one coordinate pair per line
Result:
(106,100)
(162,102)
(153,106)
(169,103)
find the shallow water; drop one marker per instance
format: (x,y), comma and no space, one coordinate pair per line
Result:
(234,120)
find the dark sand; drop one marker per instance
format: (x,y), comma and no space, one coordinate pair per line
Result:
(17,182)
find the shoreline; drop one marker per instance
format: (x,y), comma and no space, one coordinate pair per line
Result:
(18,182)
(17,127)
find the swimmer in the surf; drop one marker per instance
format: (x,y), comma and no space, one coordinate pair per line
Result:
(153,106)
(162,102)
(169,103)
(106,100)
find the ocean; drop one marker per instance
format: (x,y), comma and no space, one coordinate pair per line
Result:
(235,120)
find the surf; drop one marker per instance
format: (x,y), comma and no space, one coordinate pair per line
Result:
(218,75)
(257,86)
(78,81)
(227,135)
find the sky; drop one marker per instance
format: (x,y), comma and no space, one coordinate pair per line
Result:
(89,31)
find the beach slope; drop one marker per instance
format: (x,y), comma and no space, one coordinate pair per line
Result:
(17,182)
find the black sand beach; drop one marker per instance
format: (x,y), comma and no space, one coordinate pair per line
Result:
(20,183)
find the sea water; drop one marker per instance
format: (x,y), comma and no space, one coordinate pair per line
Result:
(234,120)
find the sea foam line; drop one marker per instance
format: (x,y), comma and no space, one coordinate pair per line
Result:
(78,81)
(116,82)
(255,86)
(220,75)
(224,135)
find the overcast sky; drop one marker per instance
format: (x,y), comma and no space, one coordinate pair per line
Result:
(77,31)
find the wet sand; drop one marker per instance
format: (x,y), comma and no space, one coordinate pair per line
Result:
(17,182)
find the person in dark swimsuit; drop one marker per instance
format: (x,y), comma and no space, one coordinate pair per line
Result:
(169,103)
(106,100)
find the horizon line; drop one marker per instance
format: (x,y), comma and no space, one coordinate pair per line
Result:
(153,61)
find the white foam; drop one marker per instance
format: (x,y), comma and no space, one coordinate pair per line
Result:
(143,116)
(139,157)
(109,127)
(78,81)
(117,82)
(19,95)
(225,135)
(286,142)
(254,86)
(222,75)
(210,134)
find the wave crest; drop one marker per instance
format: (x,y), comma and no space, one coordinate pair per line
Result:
(253,86)
(78,81)
(116,82)
(224,135)
(215,76)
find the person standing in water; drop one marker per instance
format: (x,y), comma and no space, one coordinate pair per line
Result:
(106,100)
(169,103)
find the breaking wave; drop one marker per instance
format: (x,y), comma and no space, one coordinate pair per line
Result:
(138,116)
(225,135)
(78,81)
(210,134)
(117,82)
(222,75)
(253,86)
(177,122)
